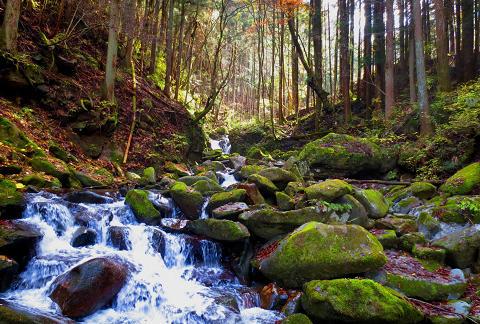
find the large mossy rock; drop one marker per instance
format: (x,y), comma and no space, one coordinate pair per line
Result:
(248,170)
(222,198)
(270,223)
(345,155)
(142,207)
(462,246)
(458,209)
(356,301)
(280,177)
(191,180)
(188,200)
(328,190)
(421,190)
(12,136)
(464,181)
(373,201)
(319,251)
(297,318)
(88,287)
(357,213)
(207,187)
(266,187)
(12,202)
(219,229)
(230,211)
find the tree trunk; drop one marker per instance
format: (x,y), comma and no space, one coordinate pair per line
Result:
(130,27)
(344,60)
(317,52)
(401,36)
(467,40)
(111,66)
(425,123)
(281,77)
(390,62)
(180,50)
(169,49)
(272,80)
(9,29)
(443,73)
(153,52)
(367,54)
(379,50)
(458,43)
(295,73)
(411,65)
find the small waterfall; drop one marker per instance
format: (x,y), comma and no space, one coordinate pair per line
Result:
(222,144)
(184,283)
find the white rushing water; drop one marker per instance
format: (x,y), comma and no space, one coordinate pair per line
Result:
(222,144)
(180,287)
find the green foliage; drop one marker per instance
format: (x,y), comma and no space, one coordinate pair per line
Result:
(335,207)
(470,206)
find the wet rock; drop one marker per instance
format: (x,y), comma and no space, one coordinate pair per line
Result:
(223,198)
(219,229)
(12,202)
(254,197)
(421,190)
(85,180)
(409,276)
(133,176)
(18,241)
(210,277)
(280,177)
(273,297)
(237,161)
(87,197)
(345,155)
(315,250)
(458,209)
(373,201)
(158,241)
(15,313)
(191,180)
(142,207)
(388,238)
(400,224)
(88,287)
(461,246)
(408,241)
(207,187)
(188,200)
(293,303)
(294,188)
(61,154)
(270,223)
(431,253)
(464,181)
(149,176)
(117,236)
(84,237)
(284,201)
(39,181)
(230,211)
(178,169)
(357,301)
(266,187)
(328,190)
(248,170)
(8,272)
(406,205)
(10,169)
(174,225)
(357,214)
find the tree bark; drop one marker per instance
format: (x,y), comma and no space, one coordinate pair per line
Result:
(295,73)
(379,50)
(344,60)
(467,40)
(367,54)
(443,73)
(317,52)
(169,49)
(9,29)
(390,62)
(180,50)
(111,66)
(153,52)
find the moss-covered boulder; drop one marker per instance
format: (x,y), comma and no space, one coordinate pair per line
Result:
(248,170)
(328,190)
(406,274)
(266,187)
(429,253)
(12,202)
(18,241)
(458,209)
(357,301)
(284,201)
(61,154)
(401,224)
(357,213)
(320,251)
(409,240)
(421,190)
(191,180)
(254,197)
(15,313)
(85,179)
(464,181)
(219,229)
(345,155)
(142,207)
(39,181)
(269,223)
(373,201)
(297,318)
(222,198)
(462,246)
(388,238)
(188,200)
(207,187)
(294,188)
(12,136)
(280,177)
(230,211)
(178,169)
(149,176)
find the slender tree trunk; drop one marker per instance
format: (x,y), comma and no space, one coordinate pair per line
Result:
(411,67)
(401,34)
(295,73)
(153,52)
(379,50)
(330,80)
(367,54)
(9,28)
(169,49)
(111,66)
(317,52)
(390,62)
(467,40)
(272,82)
(344,61)
(443,73)
(335,69)
(163,23)
(180,50)
(351,45)
(130,27)
(281,78)
(425,123)
(458,43)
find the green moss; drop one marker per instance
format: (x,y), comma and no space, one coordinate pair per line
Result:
(149,176)
(459,209)
(408,241)
(179,169)
(263,184)
(9,195)
(38,181)
(142,207)
(222,198)
(422,190)
(373,201)
(280,177)
(219,229)
(85,180)
(319,251)
(248,170)
(328,190)
(357,301)
(429,253)
(43,165)
(296,319)
(464,181)
(191,180)
(11,135)
(9,315)
(257,153)
(207,187)
(294,188)
(388,238)
(284,201)
(188,200)
(105,176)
(60,153)
(427,221)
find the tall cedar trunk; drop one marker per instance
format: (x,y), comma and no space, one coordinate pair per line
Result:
(359,61)
(335,63)
(449,12)
(477,33)
(272,81)
(295,73)
(169,49)
(379,50)
(145,34)
(130,26)
(351,7)
(467,40)
(367,54)
(153,51)
(180,50)
(111,66)
(317,52)
(443,74)
(411,66)
(9,29)
(425,123)
(281,77)
(189,60)
(458,42)
(330,80)
(344,60)
(390,62)
(401,34)
(163,23)
(309,52)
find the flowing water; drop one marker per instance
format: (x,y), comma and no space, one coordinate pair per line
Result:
(224,144)
(183,286)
